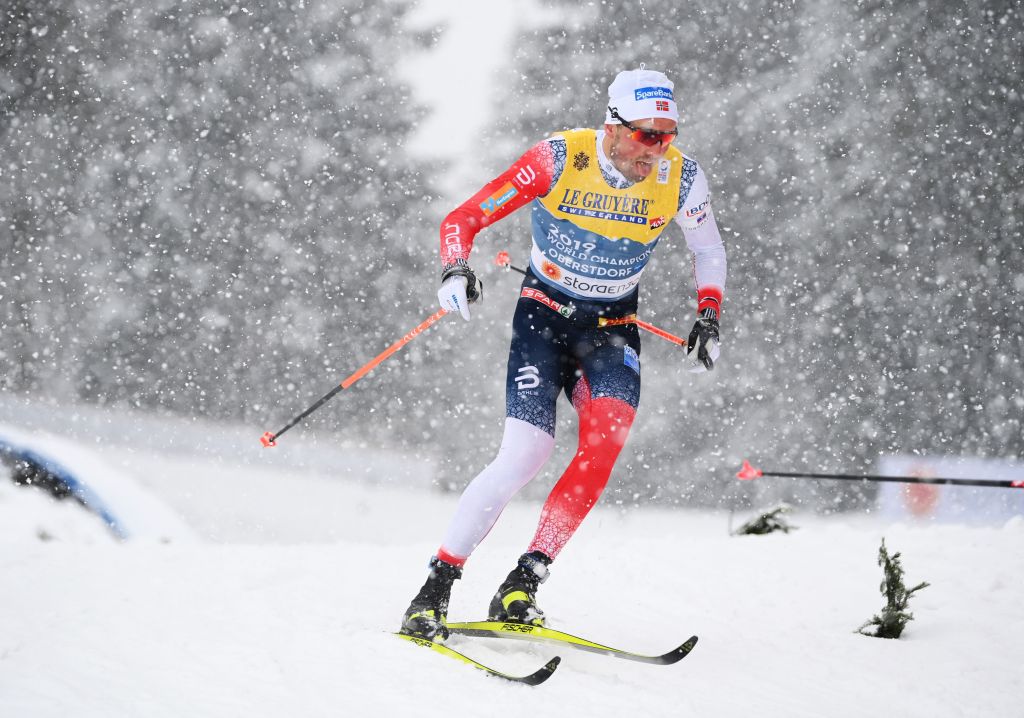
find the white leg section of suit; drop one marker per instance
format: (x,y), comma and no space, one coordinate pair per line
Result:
(524,449)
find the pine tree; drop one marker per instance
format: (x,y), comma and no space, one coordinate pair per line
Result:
(204,205)
(895,616)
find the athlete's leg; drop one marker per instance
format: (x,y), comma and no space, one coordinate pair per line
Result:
(535,378)
(536,374)
(605,397)
(524,449)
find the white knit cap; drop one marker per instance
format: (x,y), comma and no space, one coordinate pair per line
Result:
(639,94)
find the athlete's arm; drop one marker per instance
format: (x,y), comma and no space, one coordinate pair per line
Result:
(529,177)
(705,242)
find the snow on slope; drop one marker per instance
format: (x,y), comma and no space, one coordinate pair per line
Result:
(285,609)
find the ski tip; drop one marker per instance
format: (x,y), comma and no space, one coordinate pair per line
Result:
(748,472)
(535,679)
(680,653)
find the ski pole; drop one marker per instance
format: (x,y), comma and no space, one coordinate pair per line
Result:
(503,260)
(749,473)
(603,322)
(270,439)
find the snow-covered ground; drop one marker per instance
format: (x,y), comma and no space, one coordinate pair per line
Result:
(280,599)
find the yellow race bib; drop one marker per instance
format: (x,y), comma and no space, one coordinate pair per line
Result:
(591,240)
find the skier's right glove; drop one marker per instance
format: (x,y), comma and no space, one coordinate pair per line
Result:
(459,288)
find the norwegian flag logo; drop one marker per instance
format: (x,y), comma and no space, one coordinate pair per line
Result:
(661,105)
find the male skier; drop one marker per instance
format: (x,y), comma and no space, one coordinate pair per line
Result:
(600,200)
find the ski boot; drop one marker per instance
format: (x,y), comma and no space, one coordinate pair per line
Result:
(427,614)
(515,601)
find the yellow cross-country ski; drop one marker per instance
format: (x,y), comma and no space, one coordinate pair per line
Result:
(526,632)
(534,679)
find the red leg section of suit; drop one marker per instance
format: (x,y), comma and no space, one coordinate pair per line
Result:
(604,426)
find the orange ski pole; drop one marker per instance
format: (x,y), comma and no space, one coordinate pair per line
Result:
(502,260)
(631,319)
(270,439)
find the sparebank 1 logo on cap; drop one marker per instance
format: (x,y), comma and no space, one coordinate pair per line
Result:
(650,93)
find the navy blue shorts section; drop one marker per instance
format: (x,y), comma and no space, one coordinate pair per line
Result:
(551,353)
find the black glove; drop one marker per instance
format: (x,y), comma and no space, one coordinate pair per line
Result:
(702,348)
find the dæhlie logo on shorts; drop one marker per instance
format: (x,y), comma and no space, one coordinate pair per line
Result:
(528,377)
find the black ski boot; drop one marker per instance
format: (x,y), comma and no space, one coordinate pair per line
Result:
(427,614)
(515,601)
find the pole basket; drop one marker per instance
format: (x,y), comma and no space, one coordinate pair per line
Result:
(748,472)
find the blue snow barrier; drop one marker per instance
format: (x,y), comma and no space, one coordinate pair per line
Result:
(13,454)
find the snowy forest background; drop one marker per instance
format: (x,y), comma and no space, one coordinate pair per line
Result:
(212,209)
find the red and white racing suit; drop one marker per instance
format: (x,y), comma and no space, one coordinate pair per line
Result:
(593,234)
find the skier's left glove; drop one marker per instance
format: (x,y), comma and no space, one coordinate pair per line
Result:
(702,348)
(459,288)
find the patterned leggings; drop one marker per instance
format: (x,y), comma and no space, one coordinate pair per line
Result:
(599,370)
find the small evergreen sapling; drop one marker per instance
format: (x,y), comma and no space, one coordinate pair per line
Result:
(894,616)
(767,523)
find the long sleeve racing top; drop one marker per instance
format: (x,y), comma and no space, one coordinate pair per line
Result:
(593,230)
